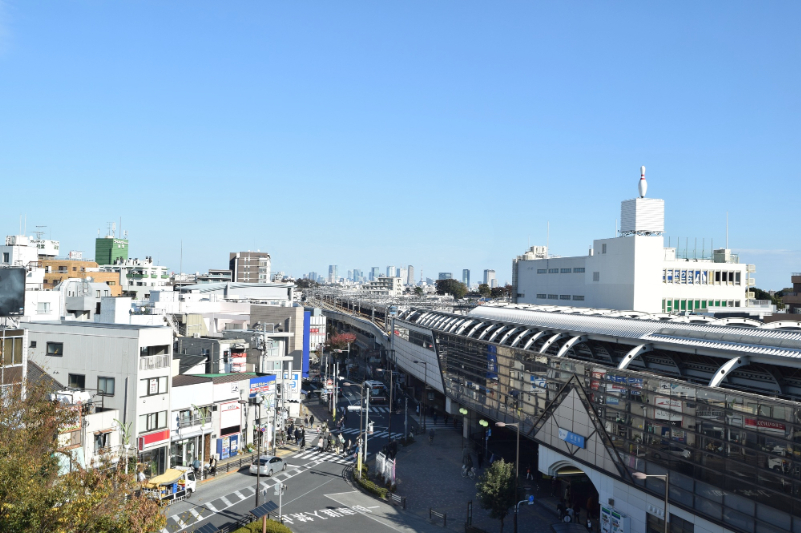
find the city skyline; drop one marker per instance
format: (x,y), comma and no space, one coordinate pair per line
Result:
(546,104)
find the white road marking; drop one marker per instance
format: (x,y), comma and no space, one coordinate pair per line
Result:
(227,501)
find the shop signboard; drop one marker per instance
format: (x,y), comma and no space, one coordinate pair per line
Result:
(668,408)
(539,385)
(765,426)
(262,384)
(233,445)
(613,521)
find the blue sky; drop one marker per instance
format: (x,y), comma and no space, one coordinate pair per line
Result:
(439,134)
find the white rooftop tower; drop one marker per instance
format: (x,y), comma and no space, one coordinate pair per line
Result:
(643,183)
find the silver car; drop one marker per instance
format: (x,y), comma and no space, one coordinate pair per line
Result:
(267,465)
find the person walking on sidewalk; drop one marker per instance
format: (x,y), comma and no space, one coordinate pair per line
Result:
(311,420)
(431,436)
(306,421)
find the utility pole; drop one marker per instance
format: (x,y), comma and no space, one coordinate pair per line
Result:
(366,424)
(405,417)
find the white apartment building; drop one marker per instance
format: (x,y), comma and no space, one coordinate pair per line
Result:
(633,271)
(127,367)
(490,279)
(384,286)
(139,277)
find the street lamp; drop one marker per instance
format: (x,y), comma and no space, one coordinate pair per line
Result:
(666,477)
(463,412)
(362,445)
(425,386)
(516,425)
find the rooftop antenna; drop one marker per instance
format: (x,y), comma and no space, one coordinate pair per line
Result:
(548,241)
(643,186)
(615,227)
(39,232)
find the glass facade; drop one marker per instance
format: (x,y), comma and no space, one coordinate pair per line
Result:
(732,456)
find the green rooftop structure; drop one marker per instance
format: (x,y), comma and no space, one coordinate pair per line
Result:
(109,249)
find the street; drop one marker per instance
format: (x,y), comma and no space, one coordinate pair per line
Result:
(317,483)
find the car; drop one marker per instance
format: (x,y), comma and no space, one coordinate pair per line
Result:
(268,465)
(672,449)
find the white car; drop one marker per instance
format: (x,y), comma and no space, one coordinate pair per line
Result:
(268,465)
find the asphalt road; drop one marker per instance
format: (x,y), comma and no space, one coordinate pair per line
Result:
(317,491)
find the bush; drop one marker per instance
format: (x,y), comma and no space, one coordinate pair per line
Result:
(272,527)
(371,487)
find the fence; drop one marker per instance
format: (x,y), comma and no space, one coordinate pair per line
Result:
(397,499)
(385,467)
(432,514)
(228,466)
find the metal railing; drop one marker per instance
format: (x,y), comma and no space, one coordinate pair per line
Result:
(194,421)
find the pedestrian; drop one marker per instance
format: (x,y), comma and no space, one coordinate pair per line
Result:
(589,524)
(528,474)
(418,408)
(480,460)
(342,442)
(306,421)
(311,419)
(431,435)
(560,508)
(434,415)
(576,510)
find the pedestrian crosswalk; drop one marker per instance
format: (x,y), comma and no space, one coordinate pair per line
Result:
(373,409)
(375,435)
(314,455)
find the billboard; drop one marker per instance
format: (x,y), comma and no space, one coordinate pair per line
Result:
(12,291)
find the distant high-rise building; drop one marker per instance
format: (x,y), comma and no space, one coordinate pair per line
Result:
(489,278)
(312,276)
(350,274)
(410,276)
(374,273)
(445,275)
(466,277)
(332,274)
(391,272)
(249,267)
(358,275)
(403,274)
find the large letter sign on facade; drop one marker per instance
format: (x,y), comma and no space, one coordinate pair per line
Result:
(571,438)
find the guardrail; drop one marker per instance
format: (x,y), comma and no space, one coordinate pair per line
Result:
(397,499)
(432,514)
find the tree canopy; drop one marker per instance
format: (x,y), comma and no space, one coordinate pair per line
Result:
(484,290)
(455,288)
(496,489)
(35,496)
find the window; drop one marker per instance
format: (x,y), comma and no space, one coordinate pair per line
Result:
(11,351)
(553,271)
(553,296)
(152,386)
(564,296)
(33,344)
(542,271)
(74,269)
(76,381)
(43,307)
(578,298)
(153,421)
(6,257)
(578,270)
(596,276)
(566,270)
(737,278)
(603,248)
(97,294)
(55,349)
(105,386)
(541,296)
(102,440)
(154,350)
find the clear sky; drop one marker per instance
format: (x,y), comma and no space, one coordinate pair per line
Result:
(439,134)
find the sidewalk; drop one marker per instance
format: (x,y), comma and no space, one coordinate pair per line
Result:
(429,475)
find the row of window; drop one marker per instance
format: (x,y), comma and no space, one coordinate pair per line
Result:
(56,349)
(671,306)
(701,277)
(577,270)
(575,298)
(105,386)
(153,421)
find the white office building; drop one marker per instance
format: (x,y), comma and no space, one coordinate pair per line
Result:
(490,279)
(139,277)
(634,271)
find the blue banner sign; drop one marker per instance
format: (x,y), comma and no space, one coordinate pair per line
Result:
(571,438)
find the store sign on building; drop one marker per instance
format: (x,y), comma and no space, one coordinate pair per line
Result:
(571,438)
(262,384)
(664,413)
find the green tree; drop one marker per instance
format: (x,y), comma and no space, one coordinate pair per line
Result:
(455,288)
(37,495)
(418,291)
(484,290)
(496,489)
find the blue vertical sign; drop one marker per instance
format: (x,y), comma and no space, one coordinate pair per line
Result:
(306,338)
